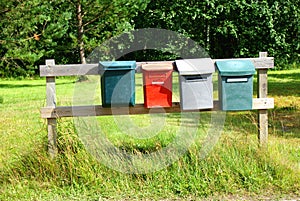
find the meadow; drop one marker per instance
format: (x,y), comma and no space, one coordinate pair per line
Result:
(235,168)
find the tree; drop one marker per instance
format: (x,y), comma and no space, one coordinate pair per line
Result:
(31,31)
(239,28)
(34,30)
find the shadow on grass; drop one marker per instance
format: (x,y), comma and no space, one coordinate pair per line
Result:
(12,86)
(289,87)
(280,84)
(285,122)
(293,76)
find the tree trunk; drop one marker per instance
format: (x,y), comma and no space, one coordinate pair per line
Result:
(80,32)
(80,39)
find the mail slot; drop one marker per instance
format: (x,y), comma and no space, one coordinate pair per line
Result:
(235,84)
(196,78)
(230,80)
(196,87)
(157,84)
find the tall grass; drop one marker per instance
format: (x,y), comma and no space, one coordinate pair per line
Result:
(236,165)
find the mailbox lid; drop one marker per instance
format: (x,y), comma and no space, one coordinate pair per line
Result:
(158,67)
(235,67)
(195,66)
(117,65)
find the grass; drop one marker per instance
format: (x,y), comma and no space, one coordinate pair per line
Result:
(235,168)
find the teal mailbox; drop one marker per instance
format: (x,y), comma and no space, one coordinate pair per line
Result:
(117,83)
(235,84)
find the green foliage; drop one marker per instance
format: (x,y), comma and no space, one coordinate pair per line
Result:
(33,30)
(105,19)
(227,29)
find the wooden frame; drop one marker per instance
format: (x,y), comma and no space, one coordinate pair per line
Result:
(51,112)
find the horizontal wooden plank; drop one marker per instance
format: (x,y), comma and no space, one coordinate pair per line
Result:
(262,103)
(92,69)
(69,70)
(98,110)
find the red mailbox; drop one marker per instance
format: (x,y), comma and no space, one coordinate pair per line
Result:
(157,79)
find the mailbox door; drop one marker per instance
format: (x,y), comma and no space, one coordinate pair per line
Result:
(118,88)
(236,92)
(196,92)
(157,88)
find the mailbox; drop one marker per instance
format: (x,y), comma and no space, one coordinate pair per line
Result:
(235,84)
(157,79)
(117,83)
(196,87)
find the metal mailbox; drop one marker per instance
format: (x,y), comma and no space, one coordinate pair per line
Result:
(157,79)
(235,84)
(117,83)
(196,86)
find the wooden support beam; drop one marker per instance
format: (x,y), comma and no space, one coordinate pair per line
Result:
(69,70)
(98,110)
(262,92)
(51,121)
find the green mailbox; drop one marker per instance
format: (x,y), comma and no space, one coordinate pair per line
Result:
(117,83)
(235,84)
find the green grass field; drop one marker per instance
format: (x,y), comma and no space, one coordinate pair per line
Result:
(236,168)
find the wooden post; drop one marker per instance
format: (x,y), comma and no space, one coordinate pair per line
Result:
(51,103)
(262,92)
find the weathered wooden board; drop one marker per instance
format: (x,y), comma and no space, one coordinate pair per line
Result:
(98,110)
(92,69)
(51,102)
(69,70)
(262,92)
(262,103)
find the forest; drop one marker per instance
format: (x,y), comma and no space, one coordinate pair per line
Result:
(69,30)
